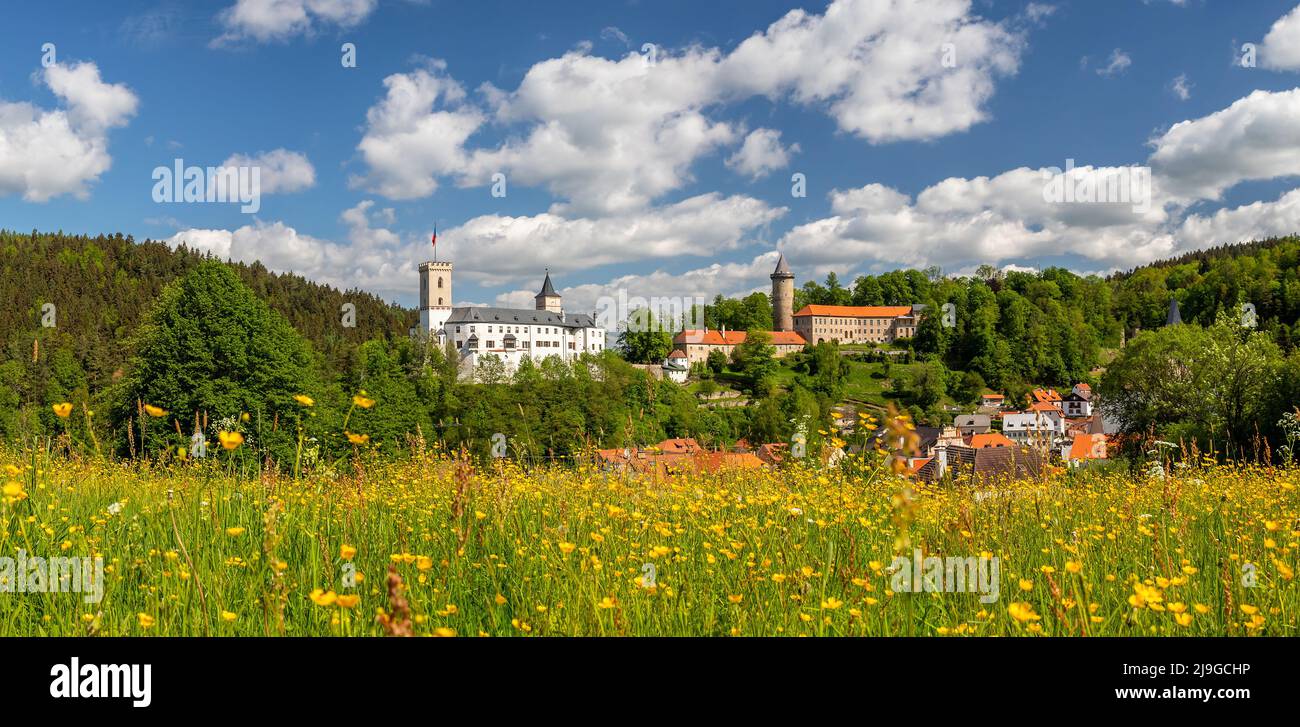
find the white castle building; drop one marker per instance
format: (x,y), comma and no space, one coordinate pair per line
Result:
(507,333)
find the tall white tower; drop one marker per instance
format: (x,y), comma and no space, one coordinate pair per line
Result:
(435,297)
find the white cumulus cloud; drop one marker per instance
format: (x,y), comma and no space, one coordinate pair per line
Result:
(1257,137)
(1280,49)
(274,20)
(611,136)
(281,170)
(761,154)
(48,153)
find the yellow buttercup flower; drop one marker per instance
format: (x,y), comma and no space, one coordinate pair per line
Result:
(228,616)
(357,438)
(323,598)
(1284,570)
(230,440)
(235,531)
(155,411)
(1022,612)
(347,552)
(362,401)
(347,600)
(304,399)
(146,621)
(62,410)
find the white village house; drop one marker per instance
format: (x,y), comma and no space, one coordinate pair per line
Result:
(1042,424)
(677,366)
(1078,403)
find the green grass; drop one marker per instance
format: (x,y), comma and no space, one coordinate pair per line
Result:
(561,551)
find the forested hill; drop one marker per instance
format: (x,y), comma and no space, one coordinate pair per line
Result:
(1264,273)
(102,287)
(1049,327)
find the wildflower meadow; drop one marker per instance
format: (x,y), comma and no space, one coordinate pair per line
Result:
(440,544)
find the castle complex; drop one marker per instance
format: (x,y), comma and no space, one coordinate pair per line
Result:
(547,330)
(811,324)
(507,333)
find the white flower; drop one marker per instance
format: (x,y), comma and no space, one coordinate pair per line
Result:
(115,508)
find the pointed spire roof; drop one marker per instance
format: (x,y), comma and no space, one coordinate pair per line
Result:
(1174,315)
(782,267)
(548,290)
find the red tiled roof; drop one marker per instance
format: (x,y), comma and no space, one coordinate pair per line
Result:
(685,445)
(787,338)
(1087,446)
(733,338)
(992,439)
(855,311)
(1046,395)
(994,396)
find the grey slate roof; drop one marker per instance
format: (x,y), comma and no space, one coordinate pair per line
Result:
(548,290)
(1174,316)
(977,421)
(782,267)
(520,316)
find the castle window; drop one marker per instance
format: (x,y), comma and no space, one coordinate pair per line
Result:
(440,284)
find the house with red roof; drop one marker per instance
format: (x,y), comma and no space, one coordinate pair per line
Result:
(992,439)
(697,343)
(994,401)
(1078,403)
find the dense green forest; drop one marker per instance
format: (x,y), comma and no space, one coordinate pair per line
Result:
(221,345)
(1054,327)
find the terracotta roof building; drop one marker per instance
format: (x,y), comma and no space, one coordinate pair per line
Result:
(991,439)
(697,344)
(856,324)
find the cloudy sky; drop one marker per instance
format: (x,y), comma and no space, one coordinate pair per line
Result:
(661,148)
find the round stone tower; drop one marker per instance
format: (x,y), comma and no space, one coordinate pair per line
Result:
(782,297)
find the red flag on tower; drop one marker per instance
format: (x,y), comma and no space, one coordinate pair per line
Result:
(433,241)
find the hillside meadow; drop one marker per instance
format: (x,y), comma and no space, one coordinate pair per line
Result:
(438,545)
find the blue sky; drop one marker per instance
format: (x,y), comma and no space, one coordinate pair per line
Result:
(672,178)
